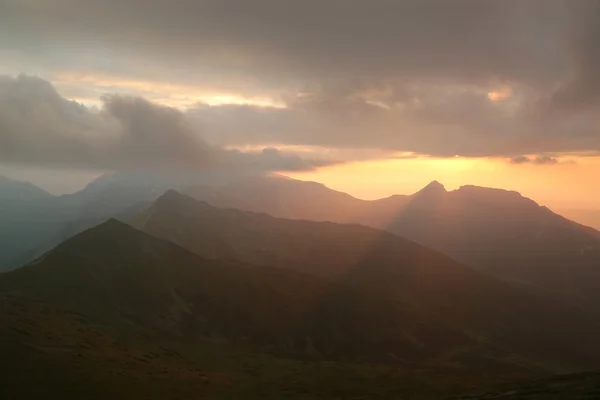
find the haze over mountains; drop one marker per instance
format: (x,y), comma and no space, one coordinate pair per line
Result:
(209,256)
(402,304)
(496,231)
(349,253)
(480,285)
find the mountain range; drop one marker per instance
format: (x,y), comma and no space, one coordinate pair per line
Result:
(126,289)
(496,231)
(215,290)
(352,254)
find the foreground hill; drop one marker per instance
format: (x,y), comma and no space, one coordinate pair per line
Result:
(116,312)
(561,387)
(50,351)
(440,289)
(122,275)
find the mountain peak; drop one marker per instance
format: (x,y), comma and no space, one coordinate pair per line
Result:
(110,228)
(174,199)
(436,185)
(172,194)
(20,189)
(433,188)
(113,222)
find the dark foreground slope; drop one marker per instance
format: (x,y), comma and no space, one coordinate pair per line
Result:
(116,313)
(128,278)
(561,387)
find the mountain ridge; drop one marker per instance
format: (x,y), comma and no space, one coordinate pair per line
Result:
(353,254)
(315,292)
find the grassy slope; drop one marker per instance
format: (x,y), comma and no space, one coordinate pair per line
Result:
(115,313)
(52,351)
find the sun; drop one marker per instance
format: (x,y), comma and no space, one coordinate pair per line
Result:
(499,95)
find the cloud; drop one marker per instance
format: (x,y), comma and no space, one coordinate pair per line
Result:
(272,159)
(277,42)
(581,88)
(424,119)
(538,160)
(39,127)
(467,78)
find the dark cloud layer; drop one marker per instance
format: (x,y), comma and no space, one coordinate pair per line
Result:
(39,127)
(438,77)
(430,121)
(463,39)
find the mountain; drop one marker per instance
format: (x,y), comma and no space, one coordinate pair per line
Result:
(509,236)
(24,221)
(123,276)
(586,216)
(497,231)
(22,191)
(572,386)
(294,199)
(114,312)
(33,221)
(323,248)
(369,259)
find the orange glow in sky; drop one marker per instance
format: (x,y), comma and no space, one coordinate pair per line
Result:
(499,95)
(382,178)
(172,95)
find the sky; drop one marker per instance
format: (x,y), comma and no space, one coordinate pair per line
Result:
(371,97)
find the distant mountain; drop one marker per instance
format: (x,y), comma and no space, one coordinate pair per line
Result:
(369,259)
(293,199)
(494,230)
(585,216)
(507,235)
(33,221)
(23,191)
(24,220)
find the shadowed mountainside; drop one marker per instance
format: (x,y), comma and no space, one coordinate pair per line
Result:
(439,287)
(497,231)
(116,312)
(122,276)
(561,387)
